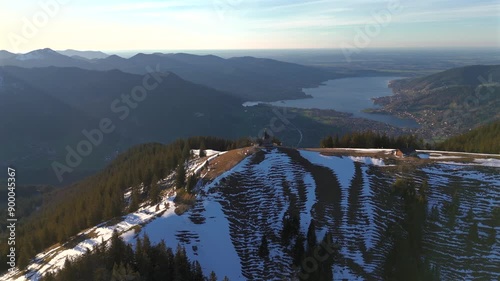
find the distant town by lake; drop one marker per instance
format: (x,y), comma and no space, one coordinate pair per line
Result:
(351,95)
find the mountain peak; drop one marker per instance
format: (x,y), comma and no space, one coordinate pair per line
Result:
(40,54)
(6,54)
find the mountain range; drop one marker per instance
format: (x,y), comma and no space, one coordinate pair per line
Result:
(67,95)
(249,78)
(65,101)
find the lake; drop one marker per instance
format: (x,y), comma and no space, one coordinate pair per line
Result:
(348,95)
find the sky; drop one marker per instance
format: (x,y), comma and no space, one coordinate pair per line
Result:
(111,25)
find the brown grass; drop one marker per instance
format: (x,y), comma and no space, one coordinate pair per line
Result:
(181,209)
(227,161)
(184,197)
(183,201)
(343,152)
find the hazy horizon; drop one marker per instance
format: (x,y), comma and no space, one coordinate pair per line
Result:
(244,24)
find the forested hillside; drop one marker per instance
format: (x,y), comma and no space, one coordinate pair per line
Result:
(119,261)
(484,139)
(446,103)
(100,197)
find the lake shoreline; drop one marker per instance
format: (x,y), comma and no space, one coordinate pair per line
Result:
(353,95)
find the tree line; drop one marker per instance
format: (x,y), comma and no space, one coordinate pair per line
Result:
(119,261)
(370,139)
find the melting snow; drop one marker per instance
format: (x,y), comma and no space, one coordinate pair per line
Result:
(369,161)
(208,152)
(490,162)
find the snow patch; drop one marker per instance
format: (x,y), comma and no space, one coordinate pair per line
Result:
(423,156)
(490,162)
(369,161)
(54,259)
(208,152)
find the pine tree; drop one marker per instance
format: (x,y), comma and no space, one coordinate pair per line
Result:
(336,141)
(264,248)
(472,236)
(202,149)
(328,142)
(186,151)
(311,236)
(180,179)
(123,273)
(24,258)
(213,276)
(116,249)
(298,250)
(148,179)
(134,200)
(154,192)
(197,272)
(191,183)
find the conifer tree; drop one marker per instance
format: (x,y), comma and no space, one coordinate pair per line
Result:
(197,272)
(134,200)
(186,151)
(311,235)
(202,149)
(191,183)
(298,250)
(154,192)
(212,277)
(264,248)
(180,178)
(328,142)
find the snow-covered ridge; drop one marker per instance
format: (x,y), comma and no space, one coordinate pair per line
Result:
(53,259)
(346,195)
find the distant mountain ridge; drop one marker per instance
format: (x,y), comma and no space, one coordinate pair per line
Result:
(84,54)
(249,78)
(51,106)
(471,76)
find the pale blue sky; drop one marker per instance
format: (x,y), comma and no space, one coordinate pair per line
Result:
(246,24)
